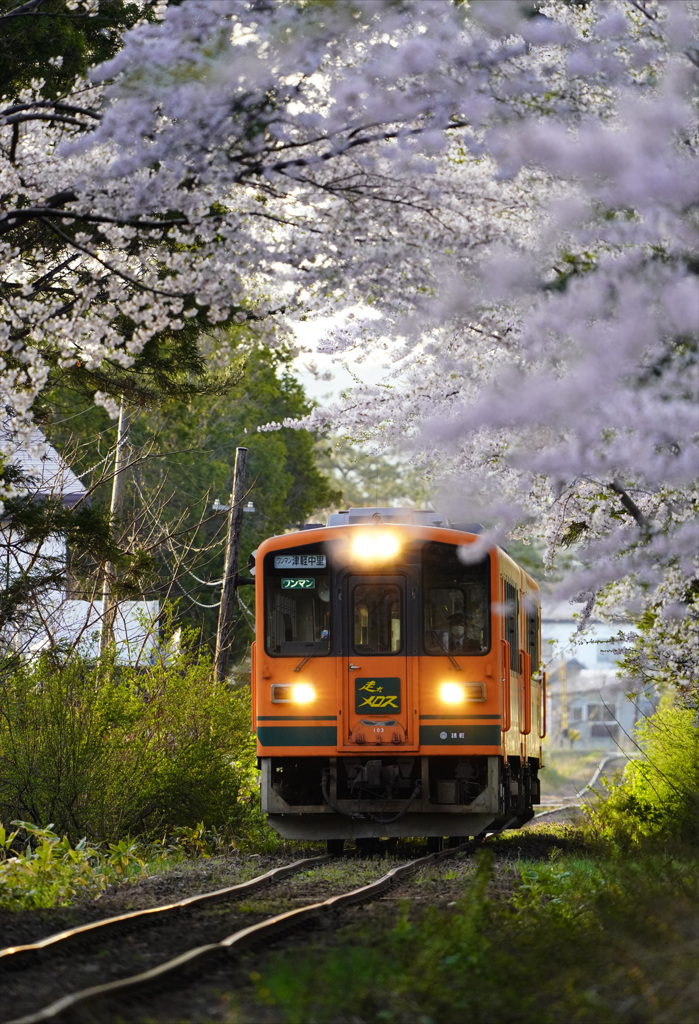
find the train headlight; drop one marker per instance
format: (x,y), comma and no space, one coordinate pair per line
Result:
(293,693)
(375,545)
(452,693)
(302,693)
(457,693)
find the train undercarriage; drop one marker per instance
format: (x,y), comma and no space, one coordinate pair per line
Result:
(367,797)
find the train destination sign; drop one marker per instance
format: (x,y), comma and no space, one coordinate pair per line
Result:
(299,583)
(299,561)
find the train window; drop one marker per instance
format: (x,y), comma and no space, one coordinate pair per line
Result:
(297,613)
(532,616)
(376,617)
(456,602)
(511,623)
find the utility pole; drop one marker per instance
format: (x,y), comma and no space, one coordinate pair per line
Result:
(118,487)
(224,638)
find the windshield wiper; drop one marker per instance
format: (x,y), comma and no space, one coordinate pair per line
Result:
(444,647)
(323,640)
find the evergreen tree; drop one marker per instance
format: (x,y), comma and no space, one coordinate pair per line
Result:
(183,451)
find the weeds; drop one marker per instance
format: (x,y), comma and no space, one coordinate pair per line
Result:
(657,800)
(41,869)
(50,872)
(567,771)
(581,938)
(199,841)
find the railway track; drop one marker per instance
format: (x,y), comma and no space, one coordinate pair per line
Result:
(122,946)
(554,805)
(34,973)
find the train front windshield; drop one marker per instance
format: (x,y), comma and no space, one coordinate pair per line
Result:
(300,616)
(297,603)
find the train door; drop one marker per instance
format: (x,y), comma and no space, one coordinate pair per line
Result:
(375,670)
(511,668)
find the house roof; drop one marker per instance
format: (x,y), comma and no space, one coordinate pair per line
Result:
(587,681)
(37,459)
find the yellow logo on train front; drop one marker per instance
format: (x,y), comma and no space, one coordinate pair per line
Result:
(381,694)
(371,685)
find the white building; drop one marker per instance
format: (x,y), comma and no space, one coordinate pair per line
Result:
(51,617)
(589,702)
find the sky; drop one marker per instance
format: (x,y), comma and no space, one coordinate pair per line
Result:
(325,375)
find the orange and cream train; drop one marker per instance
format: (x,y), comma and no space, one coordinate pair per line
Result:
(396,680)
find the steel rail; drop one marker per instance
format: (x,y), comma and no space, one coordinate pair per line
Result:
(588,788)
(556,810)
(19,955)
(601,767)
(179,967)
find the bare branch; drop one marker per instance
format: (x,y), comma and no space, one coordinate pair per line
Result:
(630,505)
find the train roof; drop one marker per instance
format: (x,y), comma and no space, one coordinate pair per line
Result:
(402,516)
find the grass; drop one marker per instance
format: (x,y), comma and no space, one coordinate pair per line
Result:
(568,770)
(343,873)
(577,937)
(39,869)
(50,872)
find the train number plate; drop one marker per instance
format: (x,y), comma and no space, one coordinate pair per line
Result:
(374,694)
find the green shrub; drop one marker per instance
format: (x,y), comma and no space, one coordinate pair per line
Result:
(39,868)
(49,871)
(105,752)
(658,798)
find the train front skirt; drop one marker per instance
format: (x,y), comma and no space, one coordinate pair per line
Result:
(317,798)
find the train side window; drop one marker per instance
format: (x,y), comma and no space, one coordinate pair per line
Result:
(456,610)
(532,625)
(297,618)
(376,619)
(511,631)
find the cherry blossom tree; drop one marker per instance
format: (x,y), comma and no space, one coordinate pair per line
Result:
(225,164)
(513,186)
(561,387)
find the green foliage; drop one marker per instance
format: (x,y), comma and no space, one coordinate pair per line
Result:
(577,939)
(197,840)
(192,443)
(368,478)
(39,868)
(170,366)
(52,43)
(86,528)
(283,480)
(658,798)
(50,872)
(105,752)
(567,771)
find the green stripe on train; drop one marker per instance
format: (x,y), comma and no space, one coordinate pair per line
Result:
(469,735)
(297,736)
